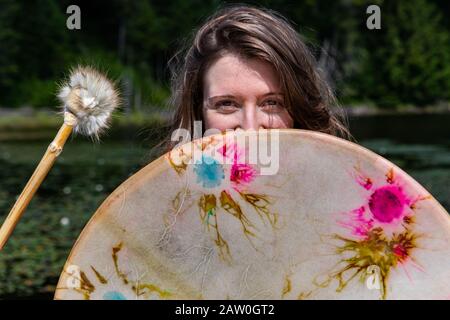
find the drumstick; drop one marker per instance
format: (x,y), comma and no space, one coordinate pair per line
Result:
(89,99)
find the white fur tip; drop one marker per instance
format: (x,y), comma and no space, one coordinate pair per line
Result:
(91,97)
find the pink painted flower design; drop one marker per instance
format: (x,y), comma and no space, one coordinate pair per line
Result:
(381,232)
(241,173)
(388,207)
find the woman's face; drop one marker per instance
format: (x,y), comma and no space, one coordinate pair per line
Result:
(243,93)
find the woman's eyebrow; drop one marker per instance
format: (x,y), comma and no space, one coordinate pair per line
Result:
(229,96)
(272,94)
(221,96)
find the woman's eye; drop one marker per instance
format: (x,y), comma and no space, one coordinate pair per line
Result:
(226,106)
(272,106)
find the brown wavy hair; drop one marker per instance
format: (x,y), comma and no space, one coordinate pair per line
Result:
(252,32)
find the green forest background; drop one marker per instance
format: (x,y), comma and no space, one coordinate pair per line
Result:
(406,63)
(386,73)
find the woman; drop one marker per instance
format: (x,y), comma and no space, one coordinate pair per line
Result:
(248,68)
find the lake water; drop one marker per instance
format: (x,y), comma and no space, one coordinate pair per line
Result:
(86,173)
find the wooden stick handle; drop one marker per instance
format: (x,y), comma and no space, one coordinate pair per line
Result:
(53,151)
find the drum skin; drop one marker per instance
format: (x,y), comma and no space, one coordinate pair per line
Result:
(333,221)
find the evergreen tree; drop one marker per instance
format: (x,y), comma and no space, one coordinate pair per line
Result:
(9,48)
(408,60)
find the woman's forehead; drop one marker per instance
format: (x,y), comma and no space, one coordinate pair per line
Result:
(231,74)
